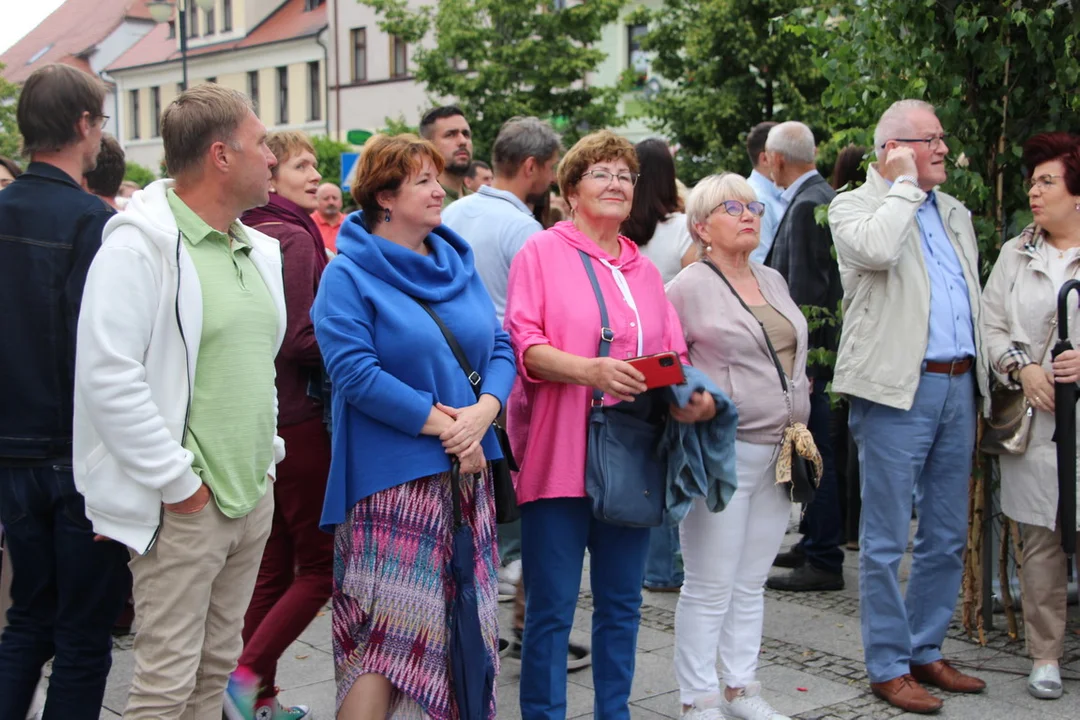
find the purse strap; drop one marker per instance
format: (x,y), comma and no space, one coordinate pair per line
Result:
(455,347)
(474,378)
(768,343)
(607,335)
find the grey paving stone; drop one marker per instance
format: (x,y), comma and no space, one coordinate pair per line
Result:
(666,704)
(301,665)
(579,700)
(320,697)
(781,687)
(653,675)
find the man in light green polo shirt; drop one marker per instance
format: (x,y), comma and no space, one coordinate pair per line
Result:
(184,314)
(231,421)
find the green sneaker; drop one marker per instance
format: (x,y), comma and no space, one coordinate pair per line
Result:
(271,709)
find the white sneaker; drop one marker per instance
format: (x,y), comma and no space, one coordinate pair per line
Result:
(509,577)
(706,707)
(749,705)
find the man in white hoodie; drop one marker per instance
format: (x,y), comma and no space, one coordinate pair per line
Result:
(175,436)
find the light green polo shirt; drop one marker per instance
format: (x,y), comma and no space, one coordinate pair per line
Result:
(231,425)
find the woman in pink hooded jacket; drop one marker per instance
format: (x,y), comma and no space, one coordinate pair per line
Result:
(554,323)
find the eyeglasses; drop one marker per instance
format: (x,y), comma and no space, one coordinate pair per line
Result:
(1045,182)
(627,178)
(931,142)
(735,208)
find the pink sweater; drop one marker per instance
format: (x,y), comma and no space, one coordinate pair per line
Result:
(551,302)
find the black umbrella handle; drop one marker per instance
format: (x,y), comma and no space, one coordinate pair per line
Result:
(1063,310)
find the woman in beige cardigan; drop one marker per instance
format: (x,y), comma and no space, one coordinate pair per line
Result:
(727,555)
(1019,324)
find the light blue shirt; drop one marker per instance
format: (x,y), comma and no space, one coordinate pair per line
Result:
(789,193)
(952,335)
(496,223)
(768,193)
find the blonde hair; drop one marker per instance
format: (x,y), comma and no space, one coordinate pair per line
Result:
(600,146)
(287,144)
(712,191)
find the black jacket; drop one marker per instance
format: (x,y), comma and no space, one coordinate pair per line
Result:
(50,229)
(802,252)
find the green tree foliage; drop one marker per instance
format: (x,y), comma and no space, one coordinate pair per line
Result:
(998,72)
(10,139)
(501,58)
(328,154)
(139,173)
(726,67)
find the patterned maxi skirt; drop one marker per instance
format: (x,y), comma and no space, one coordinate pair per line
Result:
(393,589)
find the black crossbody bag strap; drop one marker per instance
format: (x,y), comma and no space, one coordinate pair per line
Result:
(606,333)
(768,342)
(474,377)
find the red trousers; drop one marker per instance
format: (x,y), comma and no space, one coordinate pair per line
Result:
(296,574)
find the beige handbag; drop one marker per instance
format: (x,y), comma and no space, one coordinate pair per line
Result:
(1008,431)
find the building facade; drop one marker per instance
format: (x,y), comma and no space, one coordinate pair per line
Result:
(88,34)
(275,52)
(371,72)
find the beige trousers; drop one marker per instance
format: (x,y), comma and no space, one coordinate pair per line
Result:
(191,593)
(1043,581)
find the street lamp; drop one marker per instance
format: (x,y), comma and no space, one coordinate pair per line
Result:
(162,10)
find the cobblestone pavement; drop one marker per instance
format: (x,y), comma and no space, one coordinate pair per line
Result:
(811,664)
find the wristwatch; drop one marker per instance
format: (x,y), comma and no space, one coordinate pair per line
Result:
(910,179)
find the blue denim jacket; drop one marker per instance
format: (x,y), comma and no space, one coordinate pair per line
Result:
(50,229)
(701,456)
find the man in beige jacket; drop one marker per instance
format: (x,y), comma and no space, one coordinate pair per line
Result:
(910,361)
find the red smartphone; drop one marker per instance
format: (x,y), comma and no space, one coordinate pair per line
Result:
(660,370)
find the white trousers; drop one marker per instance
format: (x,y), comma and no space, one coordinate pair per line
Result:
(727,556)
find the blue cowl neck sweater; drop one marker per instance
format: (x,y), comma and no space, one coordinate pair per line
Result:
(388,362)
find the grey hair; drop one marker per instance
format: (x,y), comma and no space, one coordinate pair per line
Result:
(793,140)
(712,191)
(519,139)
(894,121)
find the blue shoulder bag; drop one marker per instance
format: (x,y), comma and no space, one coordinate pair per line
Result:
(625,478)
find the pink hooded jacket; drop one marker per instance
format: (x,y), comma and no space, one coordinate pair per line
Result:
(551,302)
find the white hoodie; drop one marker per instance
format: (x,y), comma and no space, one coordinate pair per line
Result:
(139,330)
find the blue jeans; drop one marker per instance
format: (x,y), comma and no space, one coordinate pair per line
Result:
(66,593)
(554,535)
(663,564)
(822,526)
(509,538)
(927,449)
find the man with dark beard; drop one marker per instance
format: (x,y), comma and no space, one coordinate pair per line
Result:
(448,130)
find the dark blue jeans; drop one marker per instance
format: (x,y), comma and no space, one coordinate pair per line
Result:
(554,536)
(822,526)
(663,564)
(66,593)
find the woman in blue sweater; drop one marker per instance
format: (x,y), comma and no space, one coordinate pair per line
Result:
(403,409)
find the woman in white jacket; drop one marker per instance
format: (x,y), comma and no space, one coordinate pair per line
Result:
(1019,324)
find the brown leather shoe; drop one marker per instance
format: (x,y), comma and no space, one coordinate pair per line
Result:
(943,675)
(907,694)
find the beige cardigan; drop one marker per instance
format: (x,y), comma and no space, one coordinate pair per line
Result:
(1020,309)
(727,344)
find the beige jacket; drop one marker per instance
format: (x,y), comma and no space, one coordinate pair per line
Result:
(1019,314)
(727,343)
(887,291)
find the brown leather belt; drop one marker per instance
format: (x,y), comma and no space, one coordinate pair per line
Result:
(956,367)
